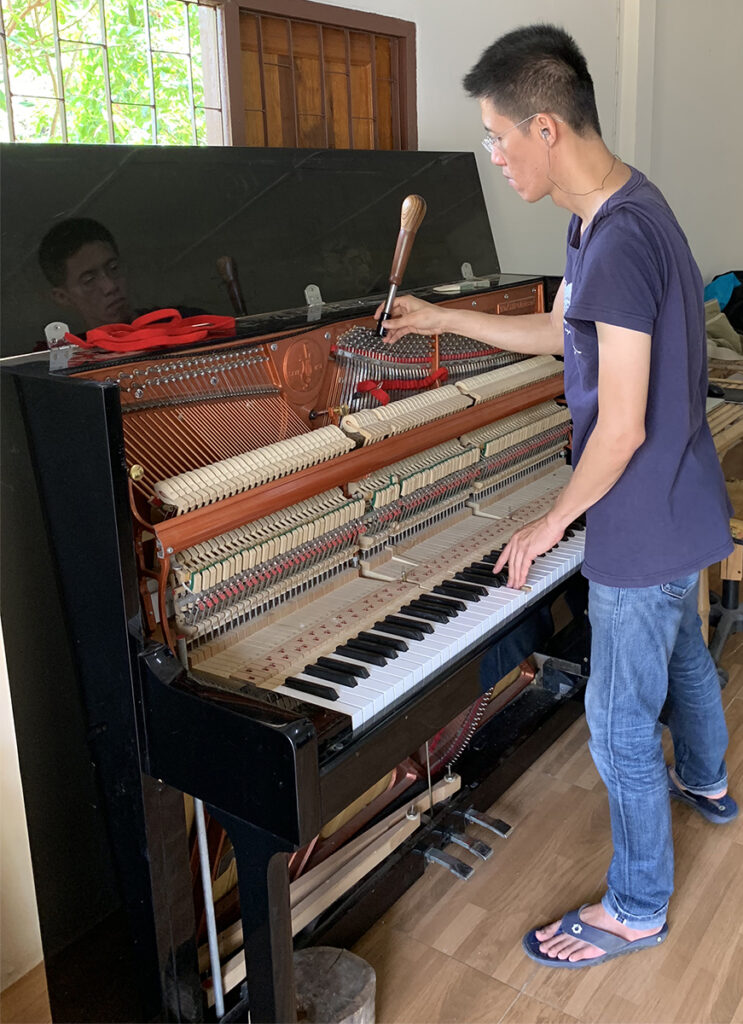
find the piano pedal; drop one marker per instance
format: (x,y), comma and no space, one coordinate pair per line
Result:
(457,867)
(476,846)
(497,825)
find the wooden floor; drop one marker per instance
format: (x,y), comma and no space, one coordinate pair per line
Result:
(26,1001)
(451,951)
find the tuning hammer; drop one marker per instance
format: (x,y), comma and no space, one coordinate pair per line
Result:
(412,213)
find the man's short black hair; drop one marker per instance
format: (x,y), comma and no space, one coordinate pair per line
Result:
(64,240)
(536,69)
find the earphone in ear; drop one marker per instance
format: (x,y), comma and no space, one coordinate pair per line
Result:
(545,133)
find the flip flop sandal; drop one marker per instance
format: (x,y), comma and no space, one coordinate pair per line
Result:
(720,810)
(612,945)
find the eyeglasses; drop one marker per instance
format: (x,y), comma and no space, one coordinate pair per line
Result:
(492,143)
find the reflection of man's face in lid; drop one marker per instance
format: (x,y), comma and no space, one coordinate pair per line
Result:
(95,285)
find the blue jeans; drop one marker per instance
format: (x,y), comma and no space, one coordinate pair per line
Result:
(646,651)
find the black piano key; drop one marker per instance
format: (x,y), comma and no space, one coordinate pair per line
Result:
(488,576)
(393,642)
(344,666)
(483,567)
(332,675)
(499,578)
(458,598)
(474,579)
(491,558)
(486,581)
(468,586)
(376,646)
(457,589)
(449,605)
(429,601)
(409,632)
(421,612)
(316,689)
(398,620)
(361,655)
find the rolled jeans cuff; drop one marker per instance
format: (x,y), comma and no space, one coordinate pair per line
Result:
(640,924)
(707,791)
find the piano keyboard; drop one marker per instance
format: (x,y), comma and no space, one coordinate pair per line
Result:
(371,642)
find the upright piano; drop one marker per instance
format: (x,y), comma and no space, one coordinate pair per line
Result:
(273,555)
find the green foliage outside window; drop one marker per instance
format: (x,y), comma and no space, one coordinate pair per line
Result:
(149,51)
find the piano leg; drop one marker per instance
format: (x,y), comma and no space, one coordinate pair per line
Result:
(263,880)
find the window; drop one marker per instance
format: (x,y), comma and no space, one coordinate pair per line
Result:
(319,76)
(126,71)
(197,72)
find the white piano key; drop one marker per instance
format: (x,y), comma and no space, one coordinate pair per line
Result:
(390,678)
(354,713)
(371,701)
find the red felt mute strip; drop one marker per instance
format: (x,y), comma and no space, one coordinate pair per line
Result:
(378,388)
(161,328)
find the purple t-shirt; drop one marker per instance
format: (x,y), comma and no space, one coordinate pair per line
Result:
(668,514)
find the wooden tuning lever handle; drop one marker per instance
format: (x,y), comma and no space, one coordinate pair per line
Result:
(411,216)
(412,213)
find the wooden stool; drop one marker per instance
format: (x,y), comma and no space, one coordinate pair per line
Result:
(703,603)
(333,986)
(726,614)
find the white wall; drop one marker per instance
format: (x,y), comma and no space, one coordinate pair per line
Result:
(669,97)
(669,101)
(529,238)
(20,941)
(697,142)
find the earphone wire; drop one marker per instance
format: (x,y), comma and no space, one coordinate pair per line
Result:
(579,194)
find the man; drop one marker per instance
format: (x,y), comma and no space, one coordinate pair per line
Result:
(629,320)
(80,260)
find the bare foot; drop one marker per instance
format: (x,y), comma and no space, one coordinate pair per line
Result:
(570,947)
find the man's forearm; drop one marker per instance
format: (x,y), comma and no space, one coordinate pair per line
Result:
(531,333)
(603,461)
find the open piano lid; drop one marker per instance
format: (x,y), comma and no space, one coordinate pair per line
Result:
(288,217)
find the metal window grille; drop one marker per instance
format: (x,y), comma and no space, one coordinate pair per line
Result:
(116,71)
